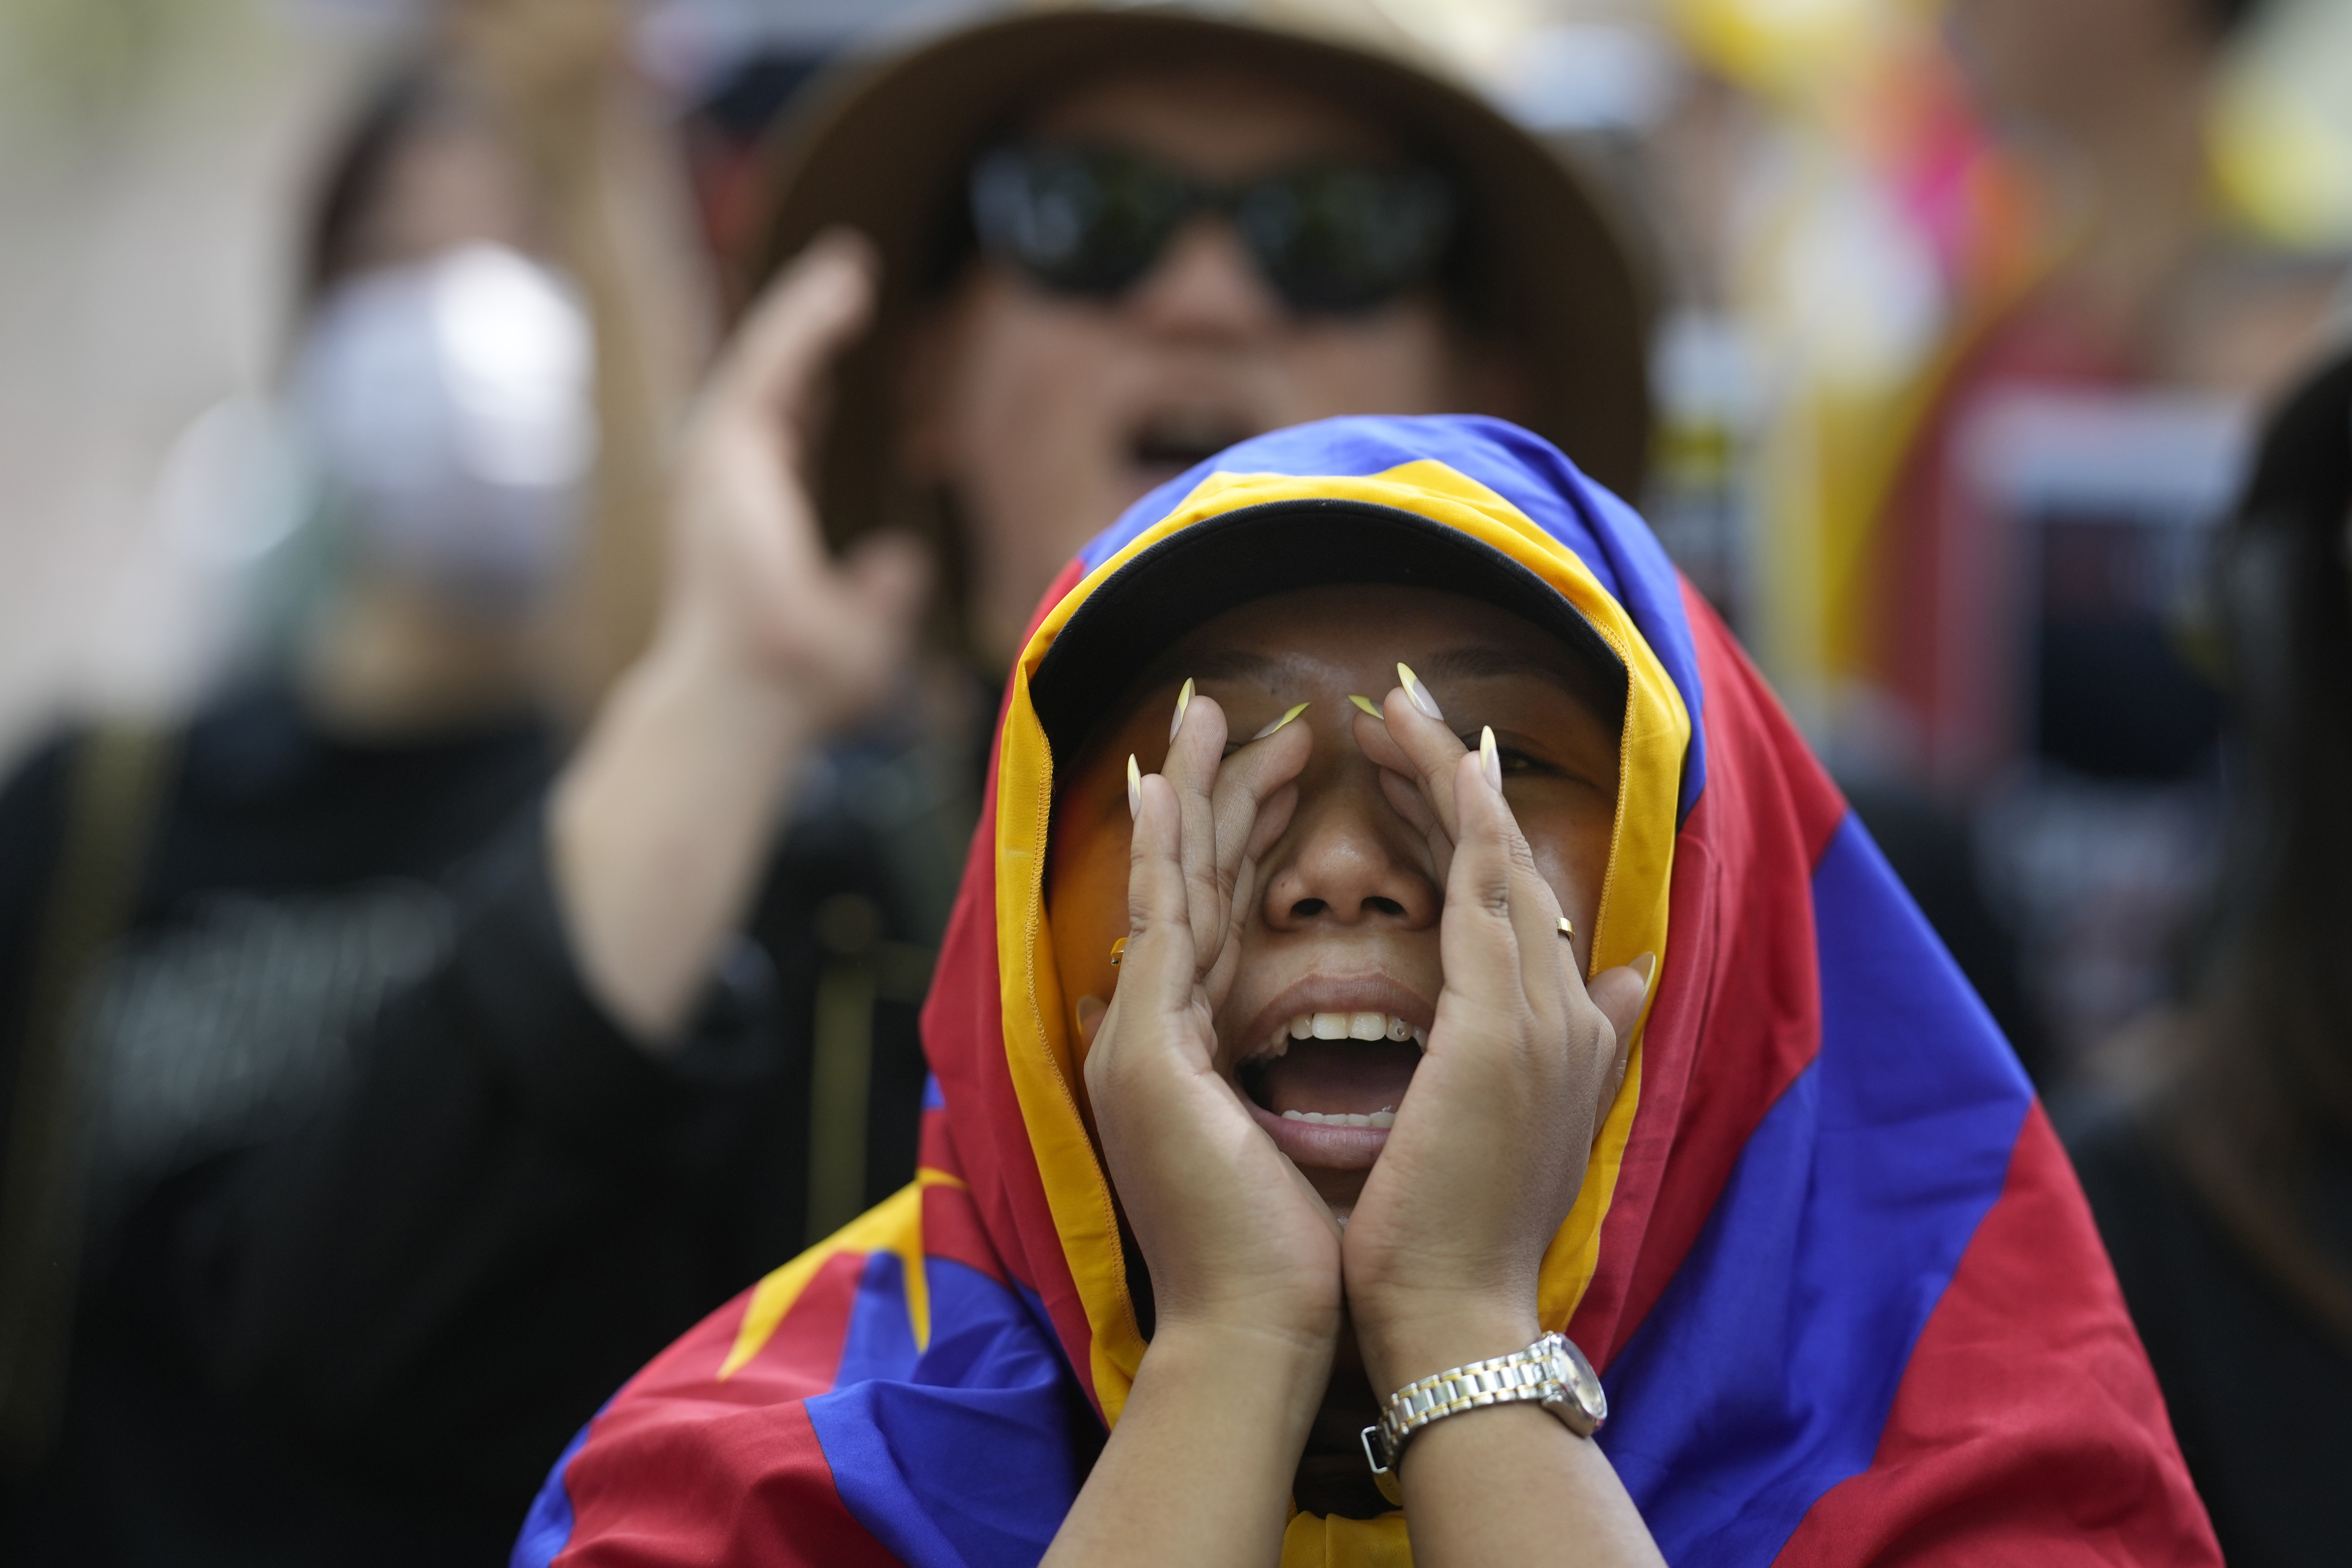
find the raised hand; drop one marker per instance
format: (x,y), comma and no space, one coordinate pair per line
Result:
(1235,1239)
(752,584)
(766,643)
(1441,1253)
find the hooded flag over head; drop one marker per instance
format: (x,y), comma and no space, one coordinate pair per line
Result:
(1834,1269)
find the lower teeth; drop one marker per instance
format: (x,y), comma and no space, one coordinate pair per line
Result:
(1342,1118)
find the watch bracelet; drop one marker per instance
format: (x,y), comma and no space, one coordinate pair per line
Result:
(1523,1375)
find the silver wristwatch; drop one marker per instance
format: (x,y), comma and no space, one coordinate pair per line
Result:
(1551,1372)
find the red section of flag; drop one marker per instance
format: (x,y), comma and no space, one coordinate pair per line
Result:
(811,1335)
(951,1229)
(804,1354)
(1741,973)
(2027,1427)
(935,1147)
(668,1476)
(710,1490)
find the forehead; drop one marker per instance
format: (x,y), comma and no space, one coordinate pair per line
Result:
(1217,120)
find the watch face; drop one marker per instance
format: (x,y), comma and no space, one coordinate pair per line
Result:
(1582,1383)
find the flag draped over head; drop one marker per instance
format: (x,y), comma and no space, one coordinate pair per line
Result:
(1840,1284)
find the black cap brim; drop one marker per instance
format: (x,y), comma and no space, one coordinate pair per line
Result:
(1253,552)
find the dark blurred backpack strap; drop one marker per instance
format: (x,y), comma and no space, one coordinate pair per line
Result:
(115,781)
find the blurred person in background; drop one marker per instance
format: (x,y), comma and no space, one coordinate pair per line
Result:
(2224,1189)
(2147,306)
(2036,639)
(199,924)
(1813,192)
(673,1039)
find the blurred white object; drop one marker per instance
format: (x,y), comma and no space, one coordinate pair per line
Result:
(2155,456)
(1855,279)
(1591,77)
(448,409)
(230,490)
(180,614)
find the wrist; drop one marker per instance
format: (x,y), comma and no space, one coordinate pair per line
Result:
(659,826)
(1403,1347)
(1268,1375)
(726,690)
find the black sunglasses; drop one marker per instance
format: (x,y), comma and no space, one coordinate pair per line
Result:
(1331,239)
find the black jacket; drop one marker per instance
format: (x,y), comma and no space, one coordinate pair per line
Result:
(382,1205)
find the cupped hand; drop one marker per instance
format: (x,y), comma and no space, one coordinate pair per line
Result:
(754,589)
(1443,1249)
(1235,1238)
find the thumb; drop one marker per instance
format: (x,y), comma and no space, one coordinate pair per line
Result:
(1619,993)
(809,313)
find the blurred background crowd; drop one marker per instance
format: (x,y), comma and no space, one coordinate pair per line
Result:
(1983,363)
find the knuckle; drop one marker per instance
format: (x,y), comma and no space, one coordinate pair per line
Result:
(1587,1023)
(1604,1035)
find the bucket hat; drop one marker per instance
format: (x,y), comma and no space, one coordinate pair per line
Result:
(884,143)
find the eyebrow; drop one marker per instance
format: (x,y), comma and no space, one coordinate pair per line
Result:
(1486,659)
(1603,692)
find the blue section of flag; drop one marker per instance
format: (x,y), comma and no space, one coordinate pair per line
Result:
(1764,1375)
(547,1527)
(1525,469)
(881,1341)
(989,1403)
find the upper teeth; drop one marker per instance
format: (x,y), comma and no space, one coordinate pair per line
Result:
(1342,1026)
(1354,1027)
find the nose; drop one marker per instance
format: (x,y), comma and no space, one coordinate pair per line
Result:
(1348,859)
(1205,285)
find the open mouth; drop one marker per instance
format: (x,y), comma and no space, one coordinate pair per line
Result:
(1340,1070)
(1174,440)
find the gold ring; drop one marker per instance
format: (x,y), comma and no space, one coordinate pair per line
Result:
(1118,952)
(1567,927)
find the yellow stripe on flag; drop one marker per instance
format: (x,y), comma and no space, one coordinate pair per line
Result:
(894,1225)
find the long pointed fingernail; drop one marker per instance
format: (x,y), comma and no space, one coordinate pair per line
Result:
(1644,966)
(1490,761)
(1417,692)
(1134,788)
(1184,700)
(1278,723)
(1369,706)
